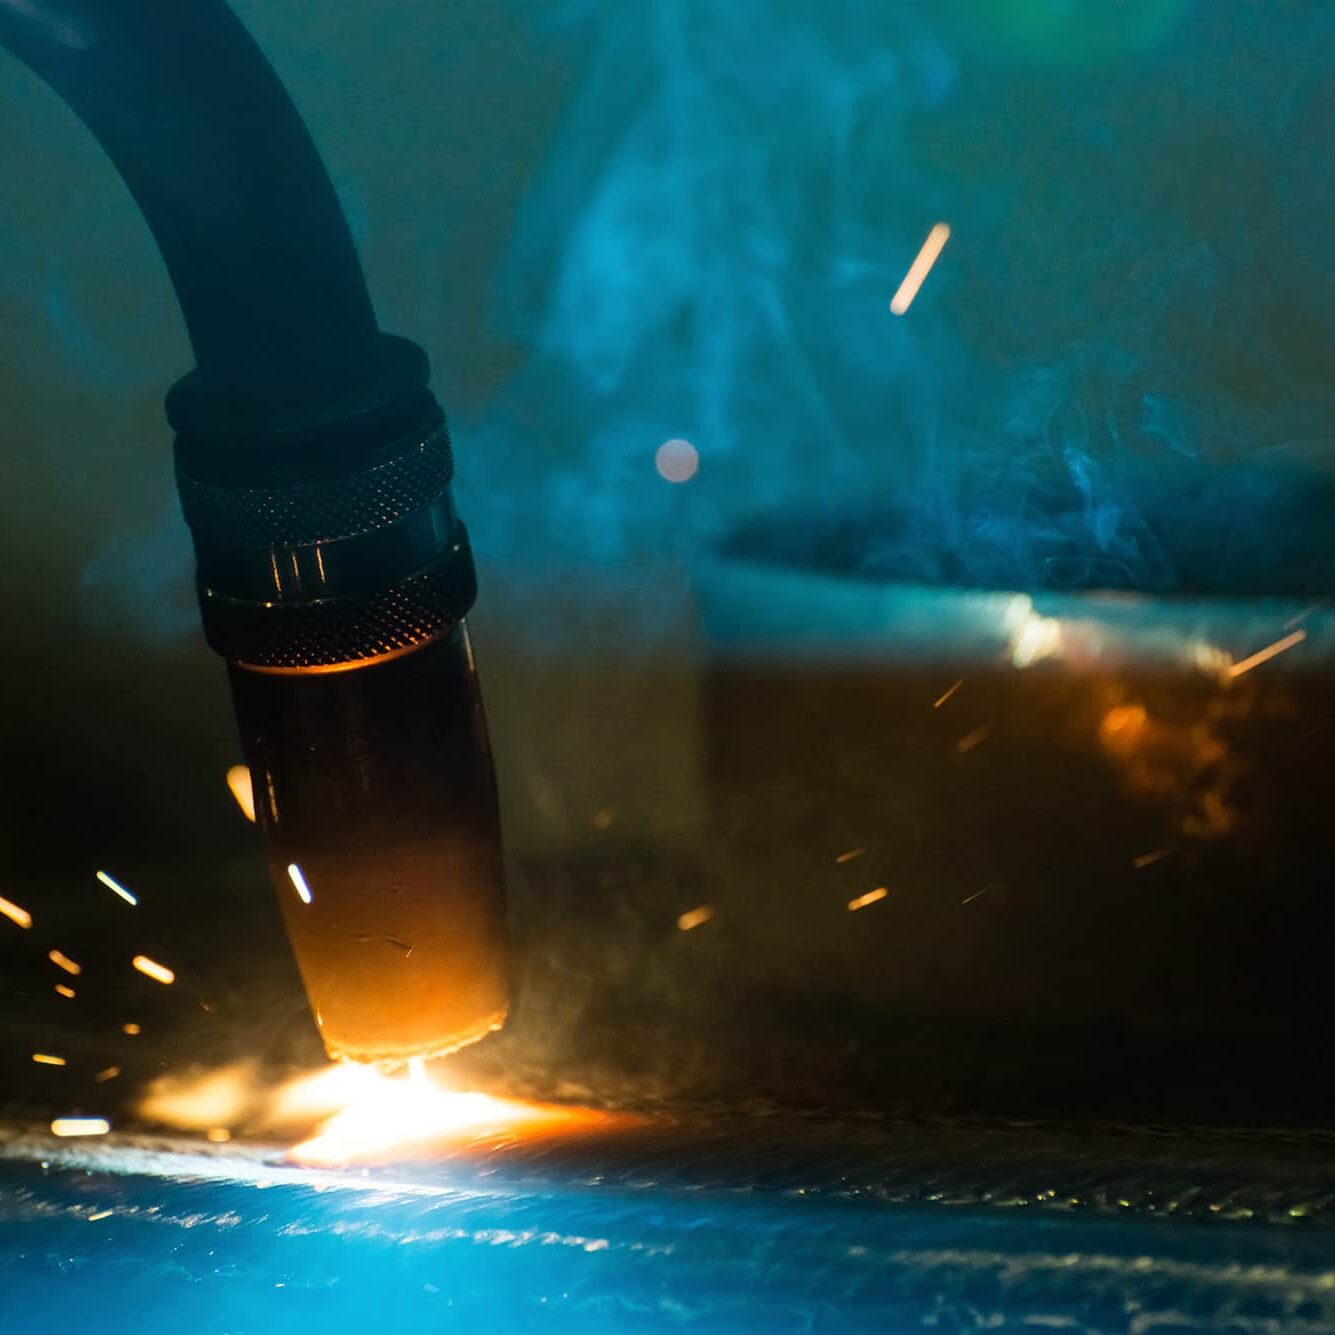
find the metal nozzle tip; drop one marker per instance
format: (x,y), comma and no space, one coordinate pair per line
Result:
(375,791)
(393,1055)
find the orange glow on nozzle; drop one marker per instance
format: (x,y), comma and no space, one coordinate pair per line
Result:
(243,790)
(351,1113)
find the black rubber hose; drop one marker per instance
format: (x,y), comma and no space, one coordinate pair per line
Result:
(195,120)
(314,470)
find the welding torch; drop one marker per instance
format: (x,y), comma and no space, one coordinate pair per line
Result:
(314,467)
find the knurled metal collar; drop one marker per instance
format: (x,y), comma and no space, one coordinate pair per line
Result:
(337,572)
(294,515)
(333,633)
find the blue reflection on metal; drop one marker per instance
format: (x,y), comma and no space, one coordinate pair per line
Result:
(287,1250)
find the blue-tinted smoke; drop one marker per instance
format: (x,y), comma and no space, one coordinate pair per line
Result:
(1123,352)
(1119,329)
(708,253)
(144,577)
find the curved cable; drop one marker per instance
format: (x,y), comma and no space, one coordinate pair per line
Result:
(218,159)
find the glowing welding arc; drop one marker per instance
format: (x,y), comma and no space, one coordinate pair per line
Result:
(20,917)
(298,879)
(392,1118)
(920,268)
(46,1059)
(363,1114)
(80,1126)
(1266,654)
(117,888)
(239,781)
(63,961)
(871,897)
(159,973)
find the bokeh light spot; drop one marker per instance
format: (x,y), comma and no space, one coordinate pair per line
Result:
(677,460)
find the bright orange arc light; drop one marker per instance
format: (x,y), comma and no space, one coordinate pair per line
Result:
(390,1118)
(360,1115)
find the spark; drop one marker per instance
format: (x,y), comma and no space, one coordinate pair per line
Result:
(117,888)
(62,961)
(968,899)
(239,781)
(850,855)
(80,1126)
(294,874)
(46,1059)
(949,691)
(129,1027)
(109,1073)
(101,1214)
(1147,859)
(1299,617)
(1269,652)
(920,268)
(159,973)
(972,739)
(677,460)
(64,991)
(695,917)
(21,917)
(871,897)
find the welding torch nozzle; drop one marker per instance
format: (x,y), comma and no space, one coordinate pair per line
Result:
(335,580)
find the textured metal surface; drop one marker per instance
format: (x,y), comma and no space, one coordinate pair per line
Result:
(344,630)
(263,517)
(752,1228)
